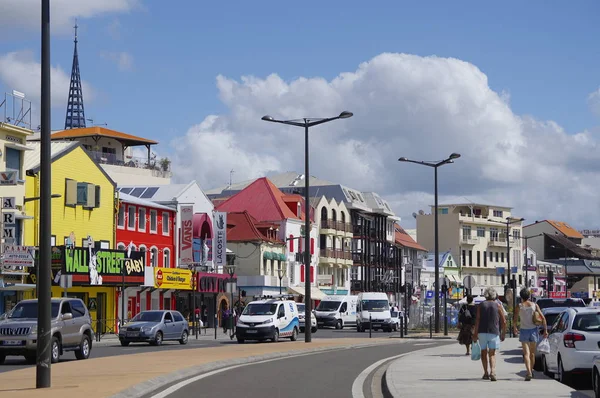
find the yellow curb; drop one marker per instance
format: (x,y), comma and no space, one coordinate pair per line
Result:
(103,377)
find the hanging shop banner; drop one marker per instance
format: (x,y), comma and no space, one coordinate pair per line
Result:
(186,257)
(173,278)
(219,251)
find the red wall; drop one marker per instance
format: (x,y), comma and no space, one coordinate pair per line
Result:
(146,238)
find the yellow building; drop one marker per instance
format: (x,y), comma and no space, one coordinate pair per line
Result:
(83,206)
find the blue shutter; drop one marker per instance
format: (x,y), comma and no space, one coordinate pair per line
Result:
(13,160)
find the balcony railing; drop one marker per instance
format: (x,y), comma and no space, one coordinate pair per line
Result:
(337,225)
(336,253)
(131,161)
(497,242)
(469,240)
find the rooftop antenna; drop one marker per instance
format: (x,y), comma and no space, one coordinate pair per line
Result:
(471,205)
(98,124)
(231,177)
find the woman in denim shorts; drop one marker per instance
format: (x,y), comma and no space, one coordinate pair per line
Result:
(529,333)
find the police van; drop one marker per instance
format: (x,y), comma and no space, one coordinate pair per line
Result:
(268,318)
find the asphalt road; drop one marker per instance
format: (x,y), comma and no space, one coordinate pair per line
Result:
(328,374)
(112,348)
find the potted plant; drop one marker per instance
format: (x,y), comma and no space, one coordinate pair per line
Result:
(165,163)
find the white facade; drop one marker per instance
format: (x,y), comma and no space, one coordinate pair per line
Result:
(476,236)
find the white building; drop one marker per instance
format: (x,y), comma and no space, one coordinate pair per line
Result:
(476,235)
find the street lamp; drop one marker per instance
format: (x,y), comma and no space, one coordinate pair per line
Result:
(435,166)
(281,271)
(230,269)
(566,273)
(525,257)
(306,123)
(508,223)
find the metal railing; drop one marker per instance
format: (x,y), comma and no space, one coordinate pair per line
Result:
(163,166)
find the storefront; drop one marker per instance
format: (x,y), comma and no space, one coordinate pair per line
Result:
(12,290)
(162,287)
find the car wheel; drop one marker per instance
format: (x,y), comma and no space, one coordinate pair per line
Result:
(294,335)
(184,338)
(339,324)
(158,339)
(545,368)
(313,330)
(55,350)
(275,336)
(563,377)
(2,358)
(301,330)
(124,343)
(240,341)
(596,382)
(85,347)
(31,359)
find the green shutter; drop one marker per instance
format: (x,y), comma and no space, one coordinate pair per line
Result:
(268,255)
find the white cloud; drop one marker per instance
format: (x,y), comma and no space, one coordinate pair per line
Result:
(21,71)
(594,101)
(114,29)
(122,59)
(421,107)
(27,13)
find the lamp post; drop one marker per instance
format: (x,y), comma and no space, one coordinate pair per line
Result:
(525,258)
(281,271)
(306,123)
(43,377)
(435,165)
(230,269)
(566,273)
(509,221)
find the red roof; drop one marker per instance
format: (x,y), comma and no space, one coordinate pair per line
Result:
(242,227)
(262,200)
(404,239)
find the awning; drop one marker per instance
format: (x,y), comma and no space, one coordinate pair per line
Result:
(18,147)
(268,255)
(453,278)
(315,294)
(20,216)
(17,287)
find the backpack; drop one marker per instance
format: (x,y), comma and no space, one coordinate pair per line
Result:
(465,315)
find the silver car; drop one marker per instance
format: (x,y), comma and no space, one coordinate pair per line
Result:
(154,327)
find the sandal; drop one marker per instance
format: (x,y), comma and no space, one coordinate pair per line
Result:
(493,377)
(528,378)
(485,377)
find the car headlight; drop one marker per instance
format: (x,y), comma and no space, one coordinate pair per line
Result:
(300,316)
(240,323)
(332,314)
(33,331)
(145,329)
(388,320)
(270,320)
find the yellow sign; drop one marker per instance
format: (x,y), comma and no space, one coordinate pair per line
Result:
(173,278)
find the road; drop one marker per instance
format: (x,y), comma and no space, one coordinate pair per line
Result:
(112,348)
(330,374)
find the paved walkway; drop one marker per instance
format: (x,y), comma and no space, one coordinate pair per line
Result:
(112,339)
(447,372)
(104,377)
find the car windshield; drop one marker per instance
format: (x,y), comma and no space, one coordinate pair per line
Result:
(30,310)
(301,308)
(375,305)
(550,318)
(260,309)
(587,322)
(148,316)
(551,303)
(328,306)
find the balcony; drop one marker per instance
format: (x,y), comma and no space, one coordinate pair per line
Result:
(469,240)
(326,256)
(335,256)
(132,164)
(325,280)
(498,242)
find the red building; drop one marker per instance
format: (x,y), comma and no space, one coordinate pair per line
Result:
(150,228)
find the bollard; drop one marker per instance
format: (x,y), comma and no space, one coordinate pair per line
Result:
(510,329)
(405,324)
(216,325)
(430,327)
(370,326)
(98,330)
(401,328)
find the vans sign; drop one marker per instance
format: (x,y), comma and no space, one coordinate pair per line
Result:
(186,254)
(219,252)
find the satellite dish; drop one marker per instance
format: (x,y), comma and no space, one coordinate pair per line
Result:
(421,212)
(414,215)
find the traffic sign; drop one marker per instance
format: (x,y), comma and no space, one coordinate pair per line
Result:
(18,256)
(8,178)
(9,203)
(469,282)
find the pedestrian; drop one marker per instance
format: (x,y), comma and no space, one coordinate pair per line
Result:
(529,332)
(466,323)
(490,330)
(225,314)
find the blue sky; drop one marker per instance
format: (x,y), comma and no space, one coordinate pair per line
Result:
(543,53)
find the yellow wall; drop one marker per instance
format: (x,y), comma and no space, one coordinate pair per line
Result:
(99,223)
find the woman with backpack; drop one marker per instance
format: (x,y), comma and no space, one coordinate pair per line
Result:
(466,323)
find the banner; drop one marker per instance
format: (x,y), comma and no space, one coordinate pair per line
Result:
(173,278)
(219,251)
(186,254)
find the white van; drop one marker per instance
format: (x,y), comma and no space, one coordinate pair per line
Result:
(337,311)
(268,319)
(373,307)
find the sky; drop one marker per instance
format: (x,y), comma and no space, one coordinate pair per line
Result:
(513,86)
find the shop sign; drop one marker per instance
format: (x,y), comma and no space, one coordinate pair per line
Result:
(186,257)
(220,239)
(173,278)
(102,262)
(213,283)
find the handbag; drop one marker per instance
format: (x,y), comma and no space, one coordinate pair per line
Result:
(544,347)
(475,351)
(537,318)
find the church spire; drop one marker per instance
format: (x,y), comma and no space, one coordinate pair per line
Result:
(75,114)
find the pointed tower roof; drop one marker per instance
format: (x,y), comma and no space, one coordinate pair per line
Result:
(262,200)
(75,114)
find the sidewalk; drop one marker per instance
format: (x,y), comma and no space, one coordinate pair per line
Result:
(112,339)
(447,372)
(104,377)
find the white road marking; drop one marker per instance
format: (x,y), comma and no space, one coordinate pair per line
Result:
(357,386)
(424,343)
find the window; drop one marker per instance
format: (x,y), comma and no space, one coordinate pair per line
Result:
(498,213)
(66,308)
(142,219)
(481,232)
(121,246)
(13,160)
(121,219)
(443,210)
(165,223)
(153,221)
(479,258)
(497,257)
(53,240)
(494,234)
(168,317)
(502,257)
(470,258)
(82,193)
(154,257)
(131,217)
(78,308)
(166,258)
(491,257)
(466,231)
(143,250)
(464,257)
(178,317)
(485,259)
(516,233)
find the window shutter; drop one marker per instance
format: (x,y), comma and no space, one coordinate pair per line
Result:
(312,246)
(91,196)
(302,273)
(312,274)
(291,243)
(70,192)
(97,203)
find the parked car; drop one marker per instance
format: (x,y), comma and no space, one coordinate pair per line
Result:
(553,302)
(550,313)
(596,376)
(268,319)
(337,311)
(71,330)
(301,314)
(574,342)
(396,316)
(154,327)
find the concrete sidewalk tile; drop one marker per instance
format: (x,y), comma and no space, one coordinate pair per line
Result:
(103,377)
(446,371)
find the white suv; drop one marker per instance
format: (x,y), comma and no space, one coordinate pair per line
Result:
(574,342)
